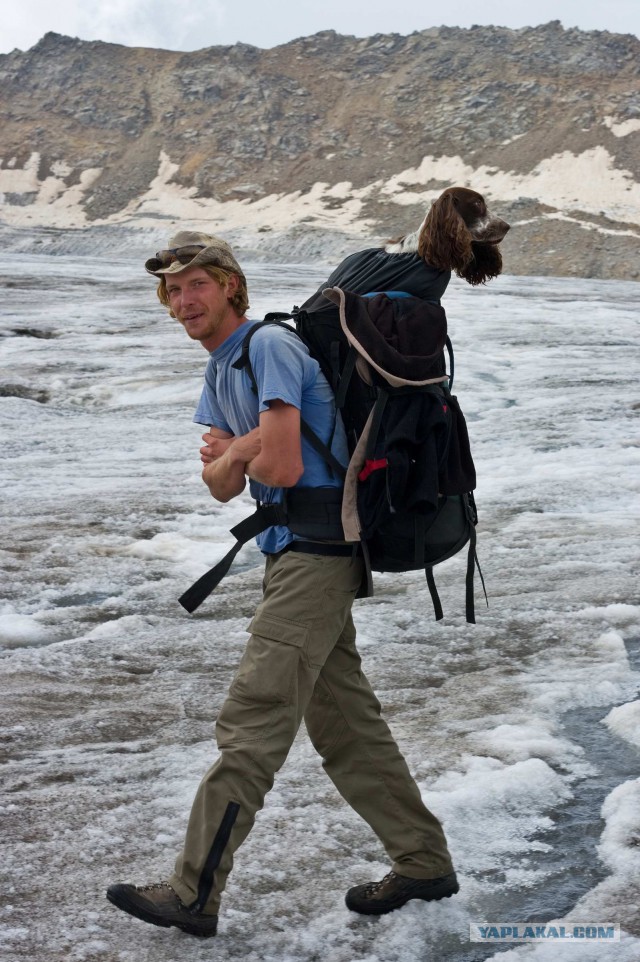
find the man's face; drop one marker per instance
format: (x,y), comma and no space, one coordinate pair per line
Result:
(202,305)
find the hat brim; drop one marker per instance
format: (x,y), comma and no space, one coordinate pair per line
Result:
(209,256)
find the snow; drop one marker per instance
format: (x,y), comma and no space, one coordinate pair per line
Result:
(624,720)
(591,182)
(521,731)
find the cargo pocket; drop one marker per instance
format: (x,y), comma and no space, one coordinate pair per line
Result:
(262,694)
(269,667)
(279,629)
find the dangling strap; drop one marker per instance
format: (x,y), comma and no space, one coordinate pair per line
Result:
(265,516)
(472,564)
(433,591)
(366,587)
(470,604)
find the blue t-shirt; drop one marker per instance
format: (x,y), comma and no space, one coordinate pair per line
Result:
(284,371)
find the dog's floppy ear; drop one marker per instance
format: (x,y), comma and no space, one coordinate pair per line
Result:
(444,240)
(485,264)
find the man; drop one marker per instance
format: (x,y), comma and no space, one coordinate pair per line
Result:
(301,660)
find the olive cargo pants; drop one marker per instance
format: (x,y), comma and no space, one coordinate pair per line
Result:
(301,661)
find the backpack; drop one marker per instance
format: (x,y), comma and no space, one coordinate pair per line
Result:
(406,502)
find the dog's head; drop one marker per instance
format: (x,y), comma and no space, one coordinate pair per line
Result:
(460,234)
(470,206)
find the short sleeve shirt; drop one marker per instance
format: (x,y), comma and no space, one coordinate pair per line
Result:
(284,371)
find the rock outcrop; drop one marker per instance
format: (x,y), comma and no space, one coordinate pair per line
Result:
(284,148)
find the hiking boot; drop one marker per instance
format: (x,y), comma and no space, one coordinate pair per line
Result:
(393,891)
(158,904)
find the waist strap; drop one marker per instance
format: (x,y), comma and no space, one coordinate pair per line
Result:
(308,512)
(329,550)
(265,516)
(315,513)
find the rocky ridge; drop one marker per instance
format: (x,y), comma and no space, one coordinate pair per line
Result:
(332,137)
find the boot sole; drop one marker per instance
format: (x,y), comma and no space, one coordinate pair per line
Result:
(383,908)
(121,901)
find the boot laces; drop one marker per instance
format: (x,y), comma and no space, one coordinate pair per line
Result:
(375,887)
(153,887)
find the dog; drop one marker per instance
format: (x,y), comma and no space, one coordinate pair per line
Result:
(458,234)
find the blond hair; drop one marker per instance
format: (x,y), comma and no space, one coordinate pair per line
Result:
(239,300)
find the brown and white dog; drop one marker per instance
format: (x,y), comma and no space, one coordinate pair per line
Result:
(458,234)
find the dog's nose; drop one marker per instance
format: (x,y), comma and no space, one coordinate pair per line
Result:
(496,230)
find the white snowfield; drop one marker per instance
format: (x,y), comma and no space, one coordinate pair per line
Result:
(589,182)
(521,731)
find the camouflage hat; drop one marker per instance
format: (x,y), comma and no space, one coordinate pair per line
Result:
(190,248)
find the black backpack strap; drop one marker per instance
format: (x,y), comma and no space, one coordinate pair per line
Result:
(472,561)
(451,361)
(321,448)
(376,421)
(472,564)
(244,364)
(366,587)
(265,516)
(343,378)
(433,591)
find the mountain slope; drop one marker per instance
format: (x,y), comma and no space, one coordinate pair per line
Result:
(335,134)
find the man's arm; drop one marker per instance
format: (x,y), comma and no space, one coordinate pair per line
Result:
(279,461)
(270,454)
(224,457)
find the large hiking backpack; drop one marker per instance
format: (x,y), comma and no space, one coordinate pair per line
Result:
(407,502)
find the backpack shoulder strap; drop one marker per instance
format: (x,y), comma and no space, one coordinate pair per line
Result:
(244,364)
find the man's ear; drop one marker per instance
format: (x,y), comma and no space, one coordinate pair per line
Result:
(233,283)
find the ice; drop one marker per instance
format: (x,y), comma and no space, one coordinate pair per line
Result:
(520,730)
(619,846)
(624,720)
(20,629)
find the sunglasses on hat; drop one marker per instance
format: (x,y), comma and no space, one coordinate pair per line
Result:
(167,257)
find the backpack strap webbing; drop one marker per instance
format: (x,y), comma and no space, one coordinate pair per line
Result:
(472,564)
(264,517)
(451,360)
(321,448)
(343,378)
(244,364)
(433,591)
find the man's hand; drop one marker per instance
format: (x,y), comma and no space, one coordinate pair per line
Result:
(225,458)
(270,453)
(246,447)
(214,448)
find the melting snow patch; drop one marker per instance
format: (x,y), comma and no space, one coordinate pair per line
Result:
(620,845)
(18,630)
(625,722)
